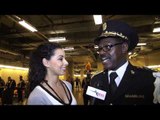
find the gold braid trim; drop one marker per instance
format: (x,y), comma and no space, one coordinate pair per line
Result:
(107,33)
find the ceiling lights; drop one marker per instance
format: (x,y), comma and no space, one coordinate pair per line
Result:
(57,39)
(28,26)
(157,29)
(156,25)
(97,19)
(141,44)
(13,67)
(68,48)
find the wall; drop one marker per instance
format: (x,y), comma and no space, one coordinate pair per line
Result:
(13,73)
(146,60)
(141,60)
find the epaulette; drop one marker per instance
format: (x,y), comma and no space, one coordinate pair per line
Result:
(156,92)
(144,68)
(97,74)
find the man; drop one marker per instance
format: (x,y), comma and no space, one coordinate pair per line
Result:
(132,85)
(9,91)
(85,84)
(2,86)
(21,88)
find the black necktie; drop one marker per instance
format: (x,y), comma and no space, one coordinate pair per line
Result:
(113,85)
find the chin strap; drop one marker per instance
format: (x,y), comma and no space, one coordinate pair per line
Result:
(156,92)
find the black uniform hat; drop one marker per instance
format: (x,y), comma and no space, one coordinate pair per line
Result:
(114,28)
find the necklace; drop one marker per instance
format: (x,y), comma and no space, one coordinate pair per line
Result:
(59,98)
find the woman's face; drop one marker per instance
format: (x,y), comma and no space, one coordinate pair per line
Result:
(57,64)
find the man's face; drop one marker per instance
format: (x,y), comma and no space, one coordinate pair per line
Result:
(112,52)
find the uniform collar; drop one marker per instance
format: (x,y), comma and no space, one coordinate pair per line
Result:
(120,71)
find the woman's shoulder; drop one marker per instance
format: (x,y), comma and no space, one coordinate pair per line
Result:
(35,96)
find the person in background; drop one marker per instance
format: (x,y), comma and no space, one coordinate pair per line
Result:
(132,85)
(8,93)
(26,90)
(85,84)
(78,84)
(20,89)
(47,63)
(72,83)
(2,86)
(70,79)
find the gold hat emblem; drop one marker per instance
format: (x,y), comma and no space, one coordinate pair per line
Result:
(104,26)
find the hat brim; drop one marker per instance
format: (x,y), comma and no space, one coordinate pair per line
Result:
(131,46)
(109,34)
(97,40)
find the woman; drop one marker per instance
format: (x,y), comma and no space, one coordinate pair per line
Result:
(47,63)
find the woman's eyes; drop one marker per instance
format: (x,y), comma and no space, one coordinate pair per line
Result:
(60,59)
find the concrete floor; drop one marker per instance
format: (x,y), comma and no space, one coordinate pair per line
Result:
(78,94)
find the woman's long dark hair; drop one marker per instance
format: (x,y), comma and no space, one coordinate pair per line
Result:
(37,70)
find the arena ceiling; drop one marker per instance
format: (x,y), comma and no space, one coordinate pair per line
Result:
(16,42)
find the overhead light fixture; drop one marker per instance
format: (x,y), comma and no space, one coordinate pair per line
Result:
(141,44)
(156,25)
(28,26)
(57,39)
(96,46)
(157,29)
(68,48)
(97,19)
(13,67)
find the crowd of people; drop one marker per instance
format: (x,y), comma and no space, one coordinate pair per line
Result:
(11,92)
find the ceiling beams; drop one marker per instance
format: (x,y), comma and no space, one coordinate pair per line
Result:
(79,30)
